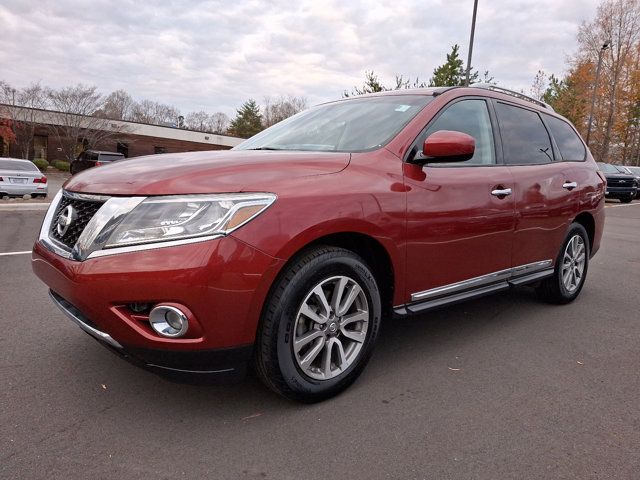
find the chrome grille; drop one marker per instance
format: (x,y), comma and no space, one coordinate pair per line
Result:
(85,210)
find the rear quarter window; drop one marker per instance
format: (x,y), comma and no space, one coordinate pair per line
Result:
(570,146)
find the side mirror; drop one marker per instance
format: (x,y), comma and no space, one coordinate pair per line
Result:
(447,146)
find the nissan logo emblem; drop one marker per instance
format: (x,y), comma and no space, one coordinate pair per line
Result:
(65,219)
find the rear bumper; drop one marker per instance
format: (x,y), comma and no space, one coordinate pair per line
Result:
(200,366)
(20,189)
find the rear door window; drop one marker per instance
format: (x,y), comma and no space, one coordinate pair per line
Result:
(525,140)
(570,146)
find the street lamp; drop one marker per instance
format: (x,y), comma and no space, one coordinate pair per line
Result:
(473,31)
(605,46)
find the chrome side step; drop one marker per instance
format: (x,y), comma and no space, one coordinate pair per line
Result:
(476,287)
(79,319)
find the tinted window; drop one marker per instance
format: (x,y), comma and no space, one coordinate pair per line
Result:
(570,145)
(345,126)
(17,165)
(470,117)
(109,158)
(524,138)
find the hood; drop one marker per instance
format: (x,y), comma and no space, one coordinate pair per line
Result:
(205,172)
(619,176)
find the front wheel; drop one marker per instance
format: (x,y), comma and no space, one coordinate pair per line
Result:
(319,325)
(571,268)
(627,199)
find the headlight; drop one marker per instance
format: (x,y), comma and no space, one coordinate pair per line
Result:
(161,219)
(170,220)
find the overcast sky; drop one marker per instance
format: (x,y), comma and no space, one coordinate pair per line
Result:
(213,55)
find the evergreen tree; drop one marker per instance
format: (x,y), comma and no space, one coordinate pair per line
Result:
(452,73)
(248,120)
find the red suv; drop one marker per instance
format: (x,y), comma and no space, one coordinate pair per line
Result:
(289,250)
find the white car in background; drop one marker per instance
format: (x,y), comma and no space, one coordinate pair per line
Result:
(21,177)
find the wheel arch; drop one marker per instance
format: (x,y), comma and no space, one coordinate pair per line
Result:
(588,222)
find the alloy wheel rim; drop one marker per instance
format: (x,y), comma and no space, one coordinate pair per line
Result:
(331,327)
(573,263)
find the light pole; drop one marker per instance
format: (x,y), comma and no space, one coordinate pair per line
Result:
(605,45)
(473,31)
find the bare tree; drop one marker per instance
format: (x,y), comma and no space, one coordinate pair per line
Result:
(277,109)
(539,86)
(218,123)
(73,121)
(198,121)
(148,111)
(23,107)
(118,105)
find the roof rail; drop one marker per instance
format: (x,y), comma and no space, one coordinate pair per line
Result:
(521,96)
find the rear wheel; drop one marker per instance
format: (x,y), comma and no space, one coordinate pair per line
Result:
(571,268)
(319,325)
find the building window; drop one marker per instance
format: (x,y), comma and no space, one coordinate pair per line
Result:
(40,147)
(123,148)
(157,150)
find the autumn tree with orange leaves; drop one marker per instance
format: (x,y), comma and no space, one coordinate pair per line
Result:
(615,131)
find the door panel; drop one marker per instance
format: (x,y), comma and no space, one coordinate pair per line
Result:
(545,201)
(544,209)
(456,229)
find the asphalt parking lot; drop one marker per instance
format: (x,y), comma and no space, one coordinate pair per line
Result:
(499,388)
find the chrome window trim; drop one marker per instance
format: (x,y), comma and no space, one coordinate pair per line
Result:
(481,280)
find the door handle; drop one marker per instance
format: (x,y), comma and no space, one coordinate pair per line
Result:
(501,192)
(569,185)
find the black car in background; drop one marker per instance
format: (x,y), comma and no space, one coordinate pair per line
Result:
(93,158)
(635,171)
(622,186)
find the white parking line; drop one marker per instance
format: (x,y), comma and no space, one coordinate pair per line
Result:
(6,254)
(622,205)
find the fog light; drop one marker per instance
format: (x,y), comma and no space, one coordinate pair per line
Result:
(168,321)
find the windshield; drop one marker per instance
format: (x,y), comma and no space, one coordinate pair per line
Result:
(607,168)
(635,170)
(17,165)
(348,126)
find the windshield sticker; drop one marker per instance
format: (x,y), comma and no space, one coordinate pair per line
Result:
(403,108)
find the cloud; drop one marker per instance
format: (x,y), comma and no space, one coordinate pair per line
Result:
(213,54)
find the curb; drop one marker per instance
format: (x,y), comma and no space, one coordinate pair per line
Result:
(8,207)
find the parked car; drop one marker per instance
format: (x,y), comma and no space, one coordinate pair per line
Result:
(635,171)
(622,186)
(21,177)
(93,158)
(289,250)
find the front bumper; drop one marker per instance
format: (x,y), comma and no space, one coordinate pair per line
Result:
(202,366)
(222,282)
(621,192)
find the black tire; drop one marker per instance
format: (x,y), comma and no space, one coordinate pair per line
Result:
(275,359)
(553,289)
(628,199)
